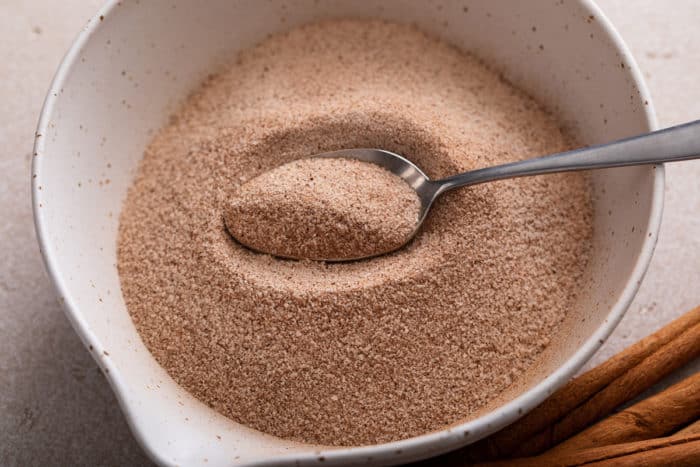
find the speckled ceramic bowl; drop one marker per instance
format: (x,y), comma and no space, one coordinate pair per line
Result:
(135,61)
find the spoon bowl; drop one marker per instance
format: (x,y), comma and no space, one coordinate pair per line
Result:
(426,189)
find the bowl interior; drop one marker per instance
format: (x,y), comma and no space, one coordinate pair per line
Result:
(132,66)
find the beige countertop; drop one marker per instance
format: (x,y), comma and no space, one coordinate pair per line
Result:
(55,406)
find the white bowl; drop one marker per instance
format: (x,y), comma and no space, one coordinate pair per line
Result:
(134,62)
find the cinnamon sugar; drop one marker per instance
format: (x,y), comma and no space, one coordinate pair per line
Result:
(367,351)
(320,208)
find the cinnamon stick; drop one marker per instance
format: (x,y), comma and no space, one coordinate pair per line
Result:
(693,428)
(583,389)
(651,370)
(672,450)
(678,455)
(653,417)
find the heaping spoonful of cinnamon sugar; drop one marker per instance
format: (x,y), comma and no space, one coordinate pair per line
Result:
(359,203)
(328,209)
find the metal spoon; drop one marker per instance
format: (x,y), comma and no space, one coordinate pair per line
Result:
(677,143)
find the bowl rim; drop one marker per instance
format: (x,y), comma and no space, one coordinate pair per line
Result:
(415,448)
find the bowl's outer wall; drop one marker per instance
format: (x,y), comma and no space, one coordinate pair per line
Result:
(135,61)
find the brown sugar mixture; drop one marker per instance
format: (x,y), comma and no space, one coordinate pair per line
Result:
(366,351)
(320,208)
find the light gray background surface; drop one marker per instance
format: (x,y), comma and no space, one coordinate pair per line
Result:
(55,406)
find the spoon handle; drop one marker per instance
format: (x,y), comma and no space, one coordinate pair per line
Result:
(676,143)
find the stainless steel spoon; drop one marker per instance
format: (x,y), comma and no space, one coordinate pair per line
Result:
(677,143)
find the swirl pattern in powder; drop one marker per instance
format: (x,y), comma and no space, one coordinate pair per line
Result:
(369,351)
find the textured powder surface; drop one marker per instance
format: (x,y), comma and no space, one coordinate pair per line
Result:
(320,208)
(367,351)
